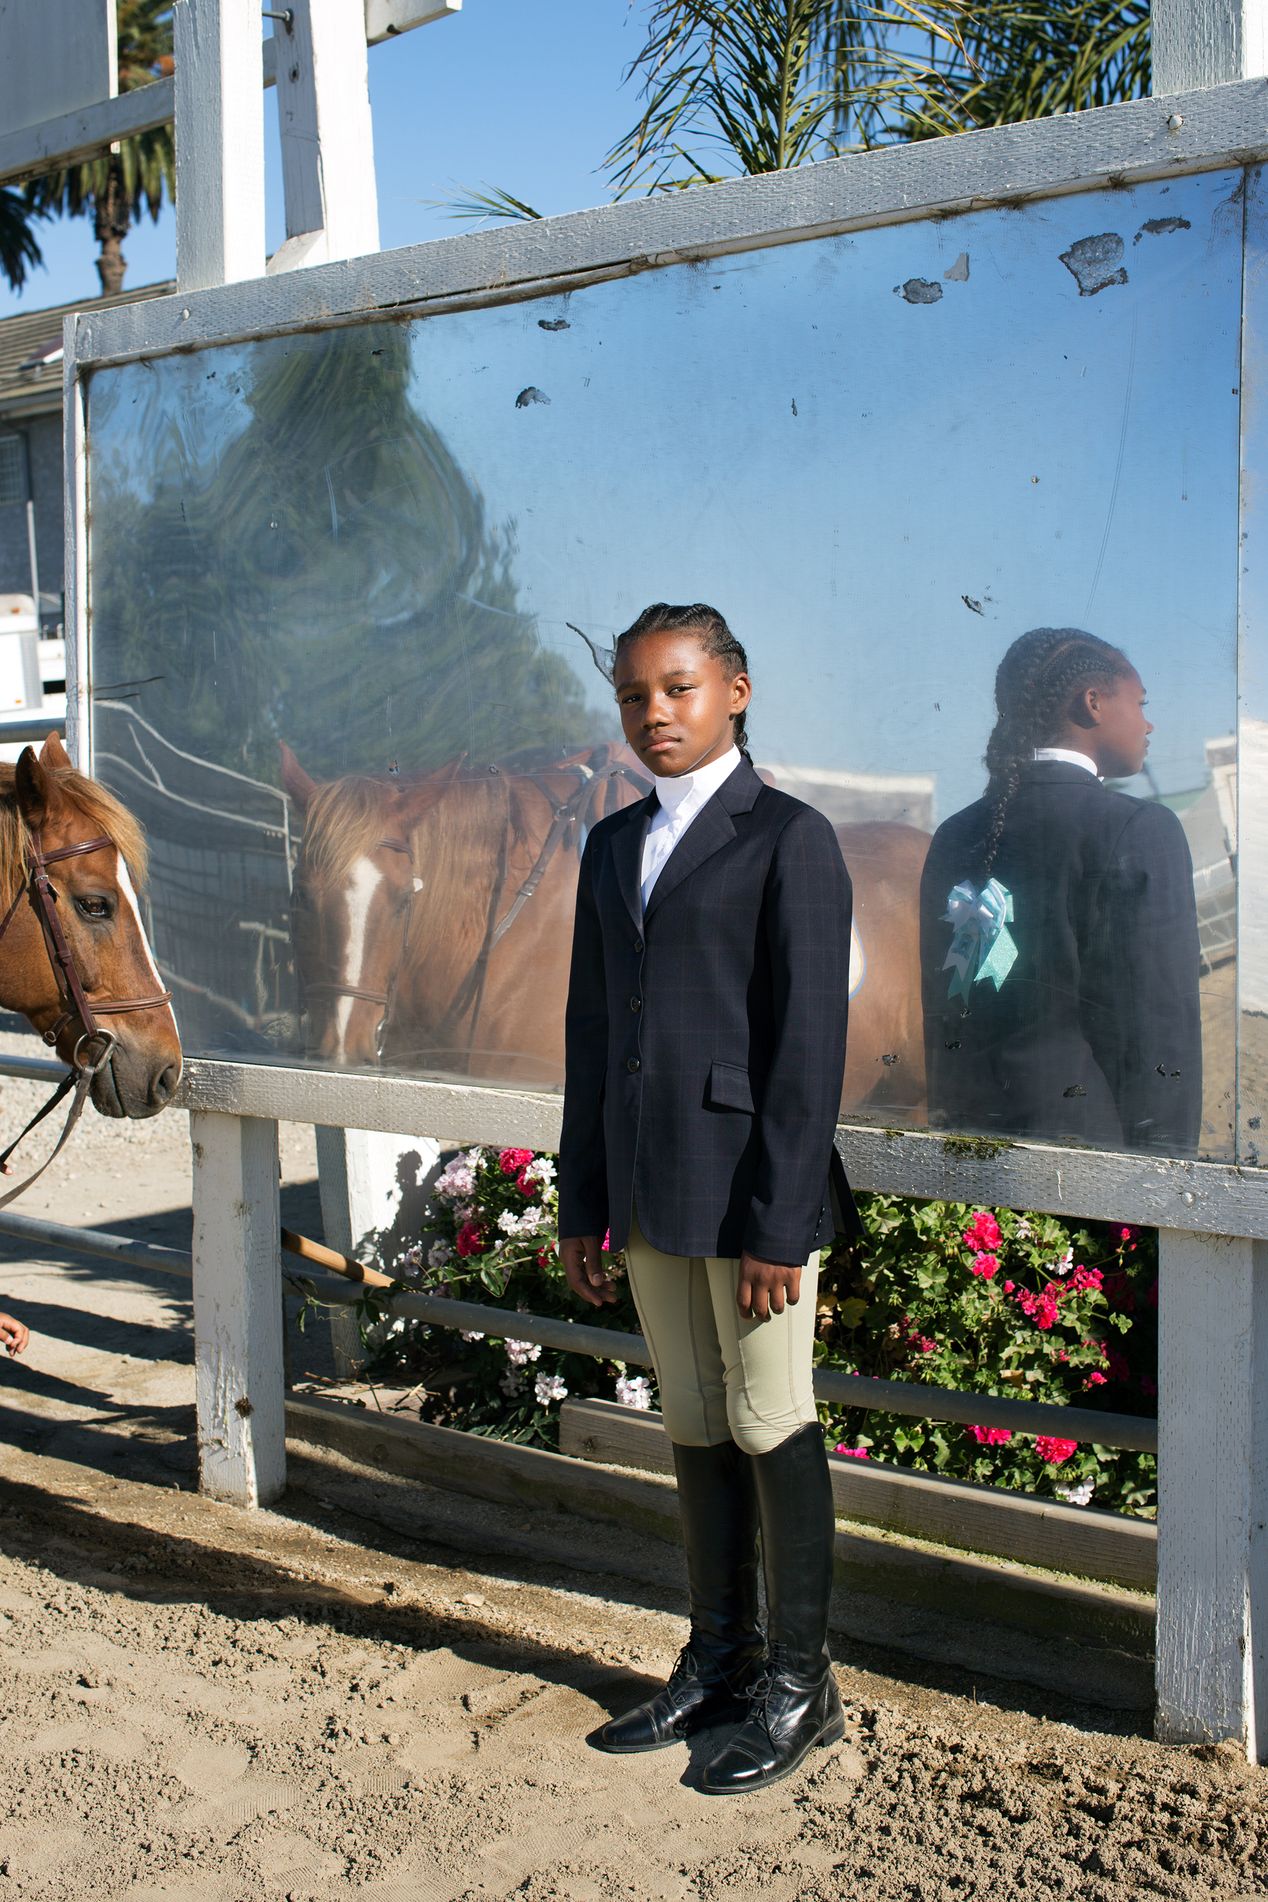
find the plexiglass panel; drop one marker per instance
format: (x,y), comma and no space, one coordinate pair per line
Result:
(350,590)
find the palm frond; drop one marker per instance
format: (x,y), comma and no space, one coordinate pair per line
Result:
(492,202)
(19,251)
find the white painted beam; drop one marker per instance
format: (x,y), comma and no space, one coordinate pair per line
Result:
(323,106)
(239,1377)
(1205,42)
(219,111)
(1212,1655)
(77,135)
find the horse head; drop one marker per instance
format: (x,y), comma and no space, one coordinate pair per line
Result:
(354,888)
(91,841)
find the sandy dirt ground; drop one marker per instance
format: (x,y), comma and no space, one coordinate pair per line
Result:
(388,1697)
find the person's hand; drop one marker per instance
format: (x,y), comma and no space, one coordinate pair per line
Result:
(14,1335)
(765,1286)
(582,1258)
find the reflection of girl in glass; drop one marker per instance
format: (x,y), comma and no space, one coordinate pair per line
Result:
(705,1050)
(1059,945)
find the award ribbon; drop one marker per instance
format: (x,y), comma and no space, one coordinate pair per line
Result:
(981,943)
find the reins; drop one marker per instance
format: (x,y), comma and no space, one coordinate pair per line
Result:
(94,1046)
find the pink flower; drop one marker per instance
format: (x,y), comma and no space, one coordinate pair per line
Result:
(852,1452)
(1095,1380)
(925,1345)
(1041,1308)
(1085,1278)
(1054,1452)
(469,1239)
(991,1435)
(512,1161)
(983,1232)
(606,1243)
(1126,1234)
(985,1265)
(1009,1286)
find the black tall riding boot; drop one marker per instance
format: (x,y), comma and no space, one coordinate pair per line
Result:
(716,1667)
(794,1704)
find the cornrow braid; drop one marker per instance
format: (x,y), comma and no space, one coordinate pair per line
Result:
(715,637)
(1035,683)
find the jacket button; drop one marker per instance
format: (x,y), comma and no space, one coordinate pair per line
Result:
(636,1003)
(631,1064)
(638,944)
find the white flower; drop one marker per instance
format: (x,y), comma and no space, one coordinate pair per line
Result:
(1023,1230)
(540,1169)
(395,1327)
(1063,1264)
(456,1180)
(549,1387)
(512,1384)
(634,1390)
(469,1334)
(520,1353)
(412,1264)
(439,1255)
(1079,1495)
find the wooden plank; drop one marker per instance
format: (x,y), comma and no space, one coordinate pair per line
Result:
(1153,1191)
(1212,1668)
(238,1364)
(359,1174)
(1076,152)
(903,1585)
(384,19)
(1206,42)
(323,106)
(75,554)
(950,1512)
(219,112)
(59,59)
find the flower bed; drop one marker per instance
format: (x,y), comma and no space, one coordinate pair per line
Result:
(987,1301)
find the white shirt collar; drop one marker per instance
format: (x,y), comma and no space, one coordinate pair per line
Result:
(1068,757)
(674,793)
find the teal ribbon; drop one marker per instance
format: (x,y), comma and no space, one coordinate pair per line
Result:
(981,944)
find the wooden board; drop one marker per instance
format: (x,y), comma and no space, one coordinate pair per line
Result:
(1044,1532)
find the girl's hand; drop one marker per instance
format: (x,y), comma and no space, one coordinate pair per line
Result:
(14,1335)
(582,1258)
(764,1287)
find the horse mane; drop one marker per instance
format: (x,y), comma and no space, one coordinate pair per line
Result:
(344,822)
(99,807)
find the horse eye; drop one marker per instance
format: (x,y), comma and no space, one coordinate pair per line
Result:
(94,907)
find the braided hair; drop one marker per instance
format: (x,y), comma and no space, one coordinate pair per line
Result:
(715,637)
(1035,685)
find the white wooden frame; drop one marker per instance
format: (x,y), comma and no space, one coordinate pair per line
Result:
(1213,1563)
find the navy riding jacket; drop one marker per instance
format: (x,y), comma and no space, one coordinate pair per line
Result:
(706,1039)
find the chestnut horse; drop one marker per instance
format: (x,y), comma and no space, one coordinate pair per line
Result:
(432,920)
(51,815)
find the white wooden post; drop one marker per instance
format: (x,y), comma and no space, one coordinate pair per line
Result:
(363,1176)
(1212,1668)
(239,1379)
(219,75)
(323,105)
(1204,42)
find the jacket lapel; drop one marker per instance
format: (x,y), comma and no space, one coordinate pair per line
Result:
(627,854)
(709,831)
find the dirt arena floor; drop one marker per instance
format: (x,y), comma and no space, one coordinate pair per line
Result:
(341,1698)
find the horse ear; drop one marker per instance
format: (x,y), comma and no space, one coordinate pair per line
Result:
(33,787)
(297,782)
(53,754)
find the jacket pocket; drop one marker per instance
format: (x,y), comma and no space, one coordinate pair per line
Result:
(730,1088)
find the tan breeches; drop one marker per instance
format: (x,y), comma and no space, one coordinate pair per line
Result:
(722,1377)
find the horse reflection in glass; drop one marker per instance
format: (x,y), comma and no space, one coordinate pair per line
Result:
(432,921)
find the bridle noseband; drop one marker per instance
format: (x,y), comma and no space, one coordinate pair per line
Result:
(94,1046)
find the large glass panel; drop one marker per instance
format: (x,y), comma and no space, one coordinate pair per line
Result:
(355,588)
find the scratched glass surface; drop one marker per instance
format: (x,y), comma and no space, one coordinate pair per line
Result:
(1248,797)
(348,591)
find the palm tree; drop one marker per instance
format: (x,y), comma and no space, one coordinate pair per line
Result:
(18,248)
(758,85)
(138,174)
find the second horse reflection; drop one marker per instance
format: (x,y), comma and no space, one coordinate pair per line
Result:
(1059,943)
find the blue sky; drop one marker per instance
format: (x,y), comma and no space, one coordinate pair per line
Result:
(510,92)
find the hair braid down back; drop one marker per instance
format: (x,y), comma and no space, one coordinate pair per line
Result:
(1034,686)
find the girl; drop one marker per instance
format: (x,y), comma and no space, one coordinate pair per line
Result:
(1059,944)
(705,1050)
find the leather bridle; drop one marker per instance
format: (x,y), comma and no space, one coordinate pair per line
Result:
(94,1046)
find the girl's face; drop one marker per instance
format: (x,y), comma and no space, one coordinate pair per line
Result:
(677,701)
(1120,731)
